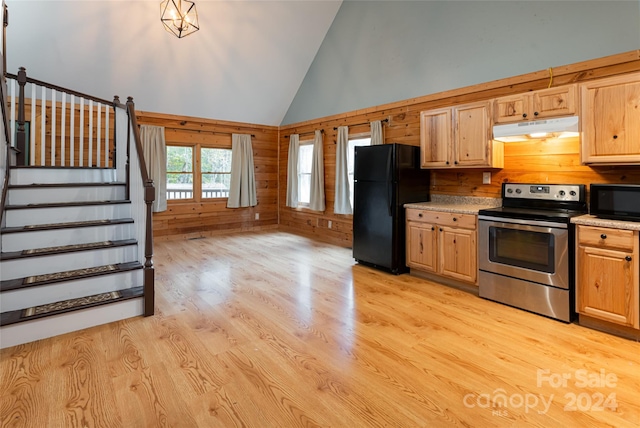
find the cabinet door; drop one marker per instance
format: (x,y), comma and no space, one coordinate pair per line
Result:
(435,138)
(554,102)
(610,113)
(512,108)
(421,246)
(457,249)
(472,134)
(605,285)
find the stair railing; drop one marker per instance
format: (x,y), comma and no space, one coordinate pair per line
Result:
(57,126)
(142,194)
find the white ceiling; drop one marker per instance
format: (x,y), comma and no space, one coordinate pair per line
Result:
(245,64)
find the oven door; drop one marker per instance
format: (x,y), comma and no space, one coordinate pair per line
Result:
(530,250)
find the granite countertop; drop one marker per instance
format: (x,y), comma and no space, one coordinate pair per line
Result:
(589,220)
(456,204)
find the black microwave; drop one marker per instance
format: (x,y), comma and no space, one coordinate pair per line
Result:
(615,201)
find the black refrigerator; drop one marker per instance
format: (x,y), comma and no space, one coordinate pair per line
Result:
(385,178)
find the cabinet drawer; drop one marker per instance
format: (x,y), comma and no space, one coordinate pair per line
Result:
(465,221)
(606,237)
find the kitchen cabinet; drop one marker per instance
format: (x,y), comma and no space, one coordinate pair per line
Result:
(607,274)
(552,102)
(610,114)
(442,243)
(459,137)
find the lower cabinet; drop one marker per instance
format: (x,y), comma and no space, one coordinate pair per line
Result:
(442,243)
(607,274)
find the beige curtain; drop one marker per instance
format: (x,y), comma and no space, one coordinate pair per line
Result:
(242,186)
(292,171)
(317,174)
(155,156)
(377,134)
(342,203)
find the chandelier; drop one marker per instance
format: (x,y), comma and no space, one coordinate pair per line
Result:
(179,17)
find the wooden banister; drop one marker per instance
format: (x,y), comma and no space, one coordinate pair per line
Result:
(149,197)
(21,141)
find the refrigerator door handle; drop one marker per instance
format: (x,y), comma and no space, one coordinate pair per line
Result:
(389,184)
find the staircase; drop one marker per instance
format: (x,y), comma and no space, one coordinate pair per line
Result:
(69,249)
(76,243)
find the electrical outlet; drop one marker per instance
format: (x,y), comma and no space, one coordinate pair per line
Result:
(486,178)
(329,223)
(257,216)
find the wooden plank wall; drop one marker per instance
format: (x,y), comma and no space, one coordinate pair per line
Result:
(549,161)
(189,219)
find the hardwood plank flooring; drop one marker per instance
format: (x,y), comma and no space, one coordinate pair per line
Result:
(270,329)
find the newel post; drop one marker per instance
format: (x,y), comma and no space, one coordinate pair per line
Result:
(21,138)
(149,197)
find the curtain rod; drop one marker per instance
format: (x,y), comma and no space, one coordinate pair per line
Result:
(366,123)
(305,133)
(229,133)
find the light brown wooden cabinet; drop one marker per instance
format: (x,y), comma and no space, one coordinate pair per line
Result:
(607,274)
(610,114)
(442,243)
(459,137)
(552,102)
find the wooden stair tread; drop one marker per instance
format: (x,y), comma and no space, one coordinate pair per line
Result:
(58,185)
(65,249)
(66,204)
(18,283)
(88,223)
(71,305)
(90,168)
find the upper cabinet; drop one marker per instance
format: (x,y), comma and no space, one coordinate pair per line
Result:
(553,102)
(610,114)
(459,137)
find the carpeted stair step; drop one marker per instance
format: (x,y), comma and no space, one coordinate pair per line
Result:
(35,252)
(71,305)
(38,280)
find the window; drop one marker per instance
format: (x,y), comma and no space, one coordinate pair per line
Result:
(198,172)
(353,143)
(179,172)
(216,172)
(305,160)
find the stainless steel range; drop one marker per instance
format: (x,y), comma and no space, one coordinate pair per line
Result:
(526,248)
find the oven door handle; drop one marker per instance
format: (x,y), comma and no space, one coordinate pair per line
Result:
(523,222)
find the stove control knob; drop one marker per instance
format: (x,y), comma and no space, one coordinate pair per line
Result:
(509,190)
(518,191)
(572,193)
(562,193)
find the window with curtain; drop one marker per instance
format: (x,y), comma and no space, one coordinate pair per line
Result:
(198,172)
(305,161)
(353,143)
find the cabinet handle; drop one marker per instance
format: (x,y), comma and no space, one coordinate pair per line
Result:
(447,162)
(433,228)
(419,214)
(456,162)
(455,219)
(524,115)
(440,230)
(615,137)
(603,236)
(628,258)
(535,113)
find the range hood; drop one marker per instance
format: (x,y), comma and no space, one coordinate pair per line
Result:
(523,131)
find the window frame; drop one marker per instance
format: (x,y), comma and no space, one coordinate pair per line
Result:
(351,157)
(197,170)
(304,143)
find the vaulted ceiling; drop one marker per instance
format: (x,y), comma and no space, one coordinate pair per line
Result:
(245,64)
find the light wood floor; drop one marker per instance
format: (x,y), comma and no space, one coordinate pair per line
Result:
(275,330)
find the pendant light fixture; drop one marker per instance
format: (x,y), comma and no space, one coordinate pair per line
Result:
(179,17)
